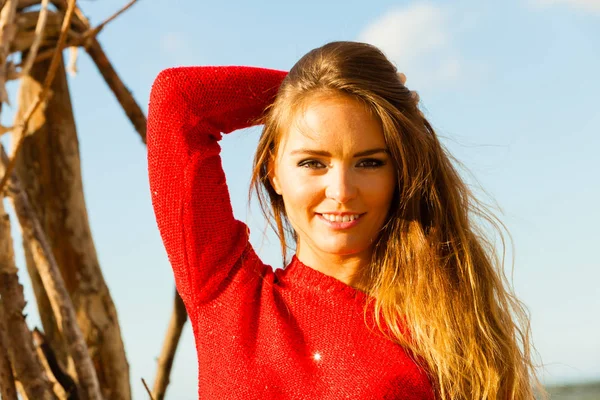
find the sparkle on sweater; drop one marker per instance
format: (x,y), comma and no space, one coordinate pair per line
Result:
(253,326)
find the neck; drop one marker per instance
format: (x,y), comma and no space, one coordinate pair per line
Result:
(344,268)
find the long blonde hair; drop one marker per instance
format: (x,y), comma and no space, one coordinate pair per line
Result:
(433,269)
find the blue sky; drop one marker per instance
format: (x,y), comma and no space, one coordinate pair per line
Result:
(511,88)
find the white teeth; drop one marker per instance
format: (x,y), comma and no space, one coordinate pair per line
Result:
(340,218)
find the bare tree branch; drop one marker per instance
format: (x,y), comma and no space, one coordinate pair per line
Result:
(96,30)
(64,386)
(80,35)
(49,168)
(54,285)
(167,355)
(8,390)
(124,96)
(39,34)
(56,58)
(7,34)
(25,36)
(147,388)
(27,3)
(21,350)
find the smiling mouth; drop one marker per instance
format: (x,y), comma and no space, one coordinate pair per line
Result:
(340,218)
(340,221)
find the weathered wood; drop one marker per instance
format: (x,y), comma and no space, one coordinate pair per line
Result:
(21,124)
(124,96)
(63,385)
(7,33)
(79,35)
(27,367)
(167,355)
(27,3)
(35,239)
(8,390)
(25,24)
(49,164)
(39,34)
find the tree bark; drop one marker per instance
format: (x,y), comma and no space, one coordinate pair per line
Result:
(49,168)
(8,390)
(62,307)
(63,385)
(22,353)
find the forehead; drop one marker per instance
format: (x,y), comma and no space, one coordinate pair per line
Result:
(332,122)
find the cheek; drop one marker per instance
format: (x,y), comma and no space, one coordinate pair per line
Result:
(379,191)
(300,193)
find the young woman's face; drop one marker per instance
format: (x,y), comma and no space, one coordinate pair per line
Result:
(335,176)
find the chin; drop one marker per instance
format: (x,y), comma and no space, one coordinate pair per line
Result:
(342,249)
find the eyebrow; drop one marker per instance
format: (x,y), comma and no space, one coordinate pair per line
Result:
(323,153)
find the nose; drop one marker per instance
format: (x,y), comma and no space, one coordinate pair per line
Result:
(341,187)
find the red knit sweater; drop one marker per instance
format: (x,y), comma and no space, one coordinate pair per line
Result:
(290,334)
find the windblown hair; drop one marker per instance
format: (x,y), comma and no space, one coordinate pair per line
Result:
(434,273)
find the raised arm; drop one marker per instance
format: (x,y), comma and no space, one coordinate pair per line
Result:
(189,108)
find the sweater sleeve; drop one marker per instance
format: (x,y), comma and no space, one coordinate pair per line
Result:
(189,109)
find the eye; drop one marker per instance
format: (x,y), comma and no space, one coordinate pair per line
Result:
(311,164)
(371,163)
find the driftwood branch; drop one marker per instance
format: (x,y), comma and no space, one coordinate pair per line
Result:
(49,168)
(22,126)
(80,18)
(21,350)
(147,389)
(54,285)
(26,21)
(7,34)
(27,3)
(25,26)
(39,34)
(74,32)
(124,96)
(72,64)
(167,355)
(82,34)
(57,389)
(96,30)
(8,390)
(64,385)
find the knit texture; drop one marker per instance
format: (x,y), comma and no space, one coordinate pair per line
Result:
(292,333)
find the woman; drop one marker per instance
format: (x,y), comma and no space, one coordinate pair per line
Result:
(393,293)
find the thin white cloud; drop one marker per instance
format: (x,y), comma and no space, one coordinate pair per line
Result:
(404,34)
(583,5)
(418,38)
